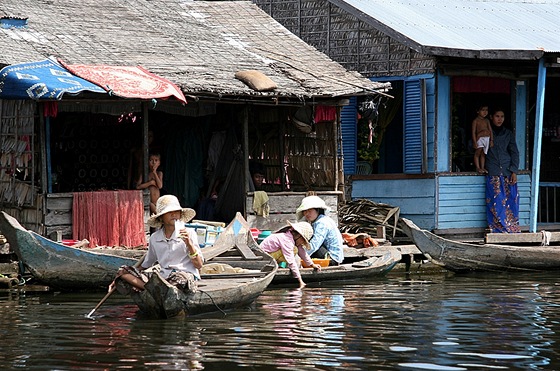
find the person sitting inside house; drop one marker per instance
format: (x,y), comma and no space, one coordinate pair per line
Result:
(289,242)
(327,239)
(260,197)
(173,246)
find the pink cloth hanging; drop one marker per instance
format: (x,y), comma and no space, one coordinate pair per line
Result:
(109,218)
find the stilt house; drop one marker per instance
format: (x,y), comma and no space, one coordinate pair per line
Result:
(85,86)
(443,58)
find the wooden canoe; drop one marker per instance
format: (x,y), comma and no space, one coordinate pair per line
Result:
(369,267)
(459,256)
(216,292)
(60,266)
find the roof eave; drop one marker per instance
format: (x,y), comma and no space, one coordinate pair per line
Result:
(483,54)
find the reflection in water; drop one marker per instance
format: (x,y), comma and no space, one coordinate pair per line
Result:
(441,322)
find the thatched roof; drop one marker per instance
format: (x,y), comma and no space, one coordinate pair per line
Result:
(198,45)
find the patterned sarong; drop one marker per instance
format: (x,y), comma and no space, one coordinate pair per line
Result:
(502,205)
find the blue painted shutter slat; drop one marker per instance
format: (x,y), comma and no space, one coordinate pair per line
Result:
(412,127)
(349,130)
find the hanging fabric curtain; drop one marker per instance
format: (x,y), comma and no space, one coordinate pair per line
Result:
(42,80)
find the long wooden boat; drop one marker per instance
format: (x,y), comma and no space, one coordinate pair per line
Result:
(235,248)
(459,256)
(369,267)
(60,266)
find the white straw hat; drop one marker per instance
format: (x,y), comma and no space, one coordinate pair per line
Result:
(166,204)
(303,228)
(311,202)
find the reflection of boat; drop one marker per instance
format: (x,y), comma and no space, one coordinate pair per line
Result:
(252,271)
(61,266)
(461,256)
(372,266)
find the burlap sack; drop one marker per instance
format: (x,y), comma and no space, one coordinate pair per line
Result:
(256,80)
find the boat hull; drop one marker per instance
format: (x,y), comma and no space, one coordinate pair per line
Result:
(59,266)
(459,256)
(373,266)
(162,300)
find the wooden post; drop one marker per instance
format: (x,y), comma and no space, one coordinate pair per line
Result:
(246,174)
(145,143)
(537,144)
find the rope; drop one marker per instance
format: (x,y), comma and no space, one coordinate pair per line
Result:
(213,302)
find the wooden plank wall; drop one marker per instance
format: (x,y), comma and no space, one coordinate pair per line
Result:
(356,45)
(415,197)
(462,201)
(29,217)
(283,207)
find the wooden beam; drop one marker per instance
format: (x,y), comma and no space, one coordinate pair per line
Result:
(520,238)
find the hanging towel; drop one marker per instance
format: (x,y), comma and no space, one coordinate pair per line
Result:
(546,236)
(260,203)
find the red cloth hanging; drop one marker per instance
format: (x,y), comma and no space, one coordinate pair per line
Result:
(109,218)
(474,84)
(50,109)
(325,114)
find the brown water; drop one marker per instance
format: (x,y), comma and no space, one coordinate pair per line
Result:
(437,322)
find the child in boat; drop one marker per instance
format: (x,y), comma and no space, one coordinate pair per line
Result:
(284,244)
(327,239)
(174,247)
(482,138)
(154,182)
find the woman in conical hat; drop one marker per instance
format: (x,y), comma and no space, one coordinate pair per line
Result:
(172,245)
(289,241)
(327,239)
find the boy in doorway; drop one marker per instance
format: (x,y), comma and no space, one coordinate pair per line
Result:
(154,182)
(482,138)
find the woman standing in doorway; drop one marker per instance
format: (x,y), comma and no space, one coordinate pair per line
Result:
(502,164)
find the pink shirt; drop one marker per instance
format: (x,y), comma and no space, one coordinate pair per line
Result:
(285,241)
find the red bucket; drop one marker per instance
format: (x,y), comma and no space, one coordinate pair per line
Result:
(255,233)
(69,242)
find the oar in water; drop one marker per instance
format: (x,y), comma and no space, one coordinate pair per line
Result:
(112,289)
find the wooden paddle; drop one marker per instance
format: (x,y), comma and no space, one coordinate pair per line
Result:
(112,289)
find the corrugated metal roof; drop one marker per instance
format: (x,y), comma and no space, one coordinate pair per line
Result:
(514,28)
(198,45)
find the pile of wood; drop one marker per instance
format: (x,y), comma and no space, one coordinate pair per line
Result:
(364,216)
(9,268)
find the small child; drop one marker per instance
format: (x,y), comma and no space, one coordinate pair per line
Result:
(482,138)
(155,180)
(287,243)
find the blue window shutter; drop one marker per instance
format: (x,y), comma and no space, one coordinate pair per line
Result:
(349,130)
(413,136)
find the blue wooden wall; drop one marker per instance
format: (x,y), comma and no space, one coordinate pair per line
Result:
(415,197)
(459,200)
(462,204)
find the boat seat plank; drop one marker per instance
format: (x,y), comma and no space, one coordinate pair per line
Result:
(521,238)
(233,275)
(231,259)
(246,251)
